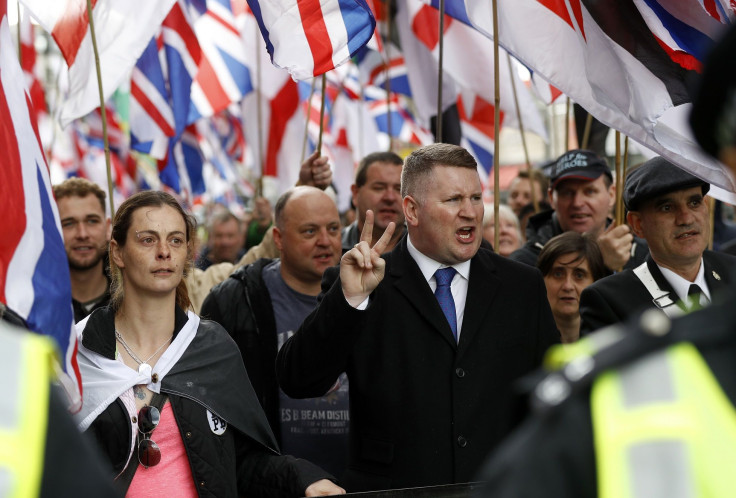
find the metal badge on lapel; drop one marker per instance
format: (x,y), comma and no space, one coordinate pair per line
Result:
(716,275)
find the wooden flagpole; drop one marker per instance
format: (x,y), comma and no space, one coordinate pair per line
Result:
(439,72)
(306,124)
(388,77)
(619,211)
(586,132)
(496,128)
(322,114)
(103,112)
(259,118)
(712,207)
(535,201)
(567,125)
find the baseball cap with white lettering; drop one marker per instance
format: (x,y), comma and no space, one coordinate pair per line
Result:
(578,164)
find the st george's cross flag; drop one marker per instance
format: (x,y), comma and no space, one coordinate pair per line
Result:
(34,273)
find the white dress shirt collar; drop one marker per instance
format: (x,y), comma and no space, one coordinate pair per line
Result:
(682,285)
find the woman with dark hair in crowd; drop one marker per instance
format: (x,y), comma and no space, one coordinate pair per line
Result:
(569,263)
(166,394)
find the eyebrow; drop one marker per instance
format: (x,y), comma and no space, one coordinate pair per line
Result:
(138,233)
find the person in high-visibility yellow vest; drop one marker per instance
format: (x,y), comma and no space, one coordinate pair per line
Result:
(646,409)
(41,451)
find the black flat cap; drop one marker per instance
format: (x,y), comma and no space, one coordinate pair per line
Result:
(578,164)
(656,177)
(713,116)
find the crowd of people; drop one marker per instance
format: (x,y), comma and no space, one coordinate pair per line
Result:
(298,355)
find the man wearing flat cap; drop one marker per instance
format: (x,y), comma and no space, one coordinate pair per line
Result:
(582,193)
(666,208)
(644,409)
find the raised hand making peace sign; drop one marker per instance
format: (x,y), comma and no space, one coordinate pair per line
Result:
(362,268)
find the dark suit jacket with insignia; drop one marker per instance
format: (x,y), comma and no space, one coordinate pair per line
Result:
(616,298)
(424,410)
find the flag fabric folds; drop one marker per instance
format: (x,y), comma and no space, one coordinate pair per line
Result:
(34,273)
(310,37)
(120,42)
(625,64)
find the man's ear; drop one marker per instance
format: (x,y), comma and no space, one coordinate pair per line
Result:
(550,198)
(633,218)
(612,195)
(410,206)
(277,237)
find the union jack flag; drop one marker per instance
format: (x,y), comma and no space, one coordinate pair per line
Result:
(34,272)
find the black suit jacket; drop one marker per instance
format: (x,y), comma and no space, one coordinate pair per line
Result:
(616,298)
(424,409)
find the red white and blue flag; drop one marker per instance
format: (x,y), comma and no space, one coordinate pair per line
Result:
(310,37)
(161,82)
(223,75)
(609,57)
(122,29)
(34,272)
(468,64)
(477,124)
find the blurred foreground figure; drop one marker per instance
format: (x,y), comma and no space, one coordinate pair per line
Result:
(41,451)
(646,409)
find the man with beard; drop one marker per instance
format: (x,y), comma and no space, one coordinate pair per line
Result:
(666,208)
(86,231)
(261,305)
(377,187)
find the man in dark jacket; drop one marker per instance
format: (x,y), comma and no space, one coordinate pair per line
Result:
(668,428)
(667,208)
(582,194)
(262,304)
(432,335)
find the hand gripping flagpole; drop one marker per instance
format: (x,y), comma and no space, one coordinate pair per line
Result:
(535,201)
(496,128)
(103,112)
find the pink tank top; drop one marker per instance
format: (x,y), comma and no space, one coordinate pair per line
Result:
(172,476)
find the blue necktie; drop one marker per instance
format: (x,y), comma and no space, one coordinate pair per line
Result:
(444,296)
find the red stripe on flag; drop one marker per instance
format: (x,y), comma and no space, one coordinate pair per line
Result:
(210,83)
(283,107)
(318,38)
(710,8)
(225,24)
(70,30)
(426,26)
(381,68)
(559,8)
(151,109)
(684,59)
(12,198)
(177,21)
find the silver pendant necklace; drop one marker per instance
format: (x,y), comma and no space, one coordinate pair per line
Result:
(143,366)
